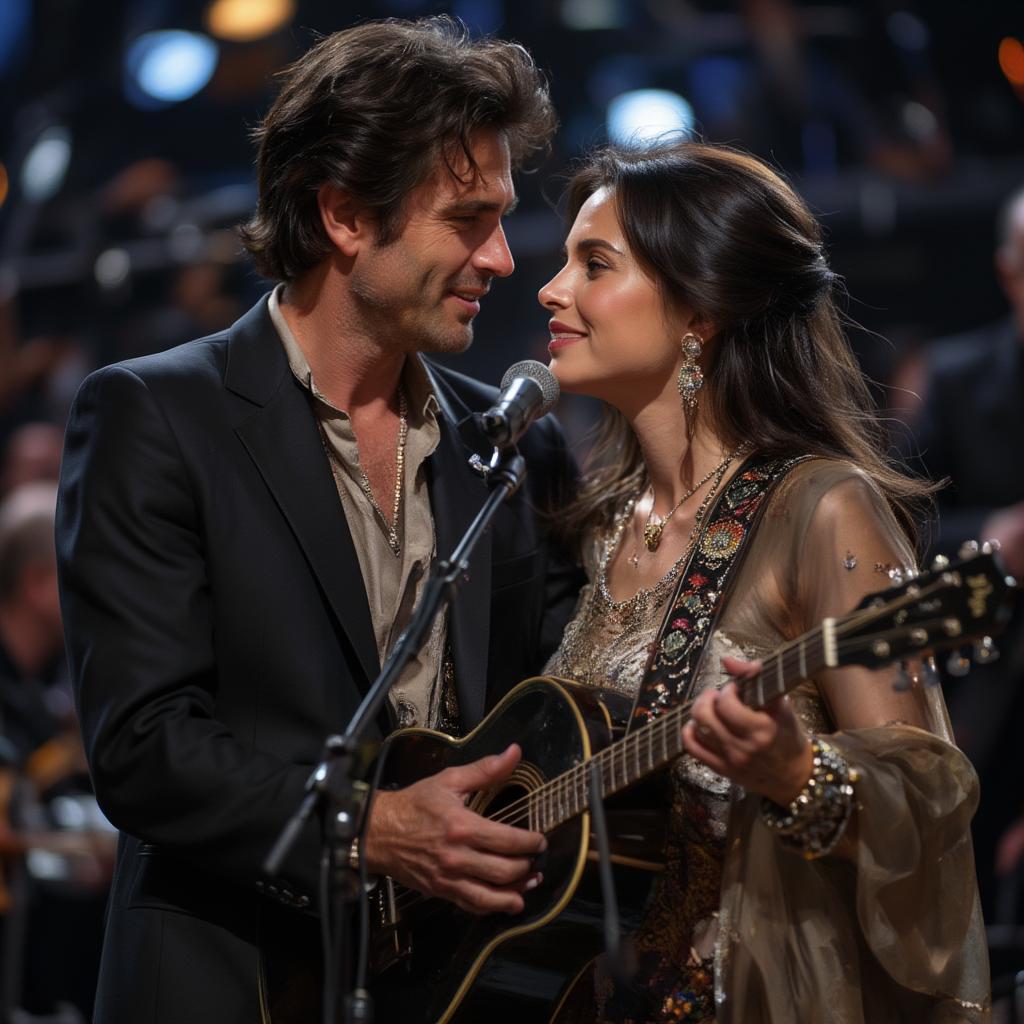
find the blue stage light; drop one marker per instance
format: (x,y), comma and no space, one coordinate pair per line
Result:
(46,164)
(166,67)
(643,115)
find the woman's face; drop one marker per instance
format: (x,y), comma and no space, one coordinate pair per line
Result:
(610,334)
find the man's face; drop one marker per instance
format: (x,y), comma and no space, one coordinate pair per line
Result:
(421,291)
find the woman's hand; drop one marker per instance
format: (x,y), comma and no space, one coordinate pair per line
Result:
(766,752)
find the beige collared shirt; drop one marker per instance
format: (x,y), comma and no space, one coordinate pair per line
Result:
(393,583)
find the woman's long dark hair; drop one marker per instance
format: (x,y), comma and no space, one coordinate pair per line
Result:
(722,234)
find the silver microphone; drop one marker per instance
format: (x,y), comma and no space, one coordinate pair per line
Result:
(529,390)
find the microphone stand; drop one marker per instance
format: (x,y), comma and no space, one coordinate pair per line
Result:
(336,788)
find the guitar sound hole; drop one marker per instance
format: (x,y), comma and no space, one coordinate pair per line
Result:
(507,804)
(510,802)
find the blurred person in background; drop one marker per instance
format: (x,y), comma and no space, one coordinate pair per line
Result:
(31,634)
(32,453)
(52,925)
(971,430)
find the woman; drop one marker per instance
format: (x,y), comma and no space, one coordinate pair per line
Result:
(696,302)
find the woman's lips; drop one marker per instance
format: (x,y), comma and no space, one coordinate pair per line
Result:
(561,340)
(562,334)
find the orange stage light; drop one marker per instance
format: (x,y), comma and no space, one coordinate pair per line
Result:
(1011,60)
(242,21)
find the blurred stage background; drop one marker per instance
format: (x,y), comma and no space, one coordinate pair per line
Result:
(125,163)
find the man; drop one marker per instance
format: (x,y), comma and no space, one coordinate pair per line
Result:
(245,523)
(970,430)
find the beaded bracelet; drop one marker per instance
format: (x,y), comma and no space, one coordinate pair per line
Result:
(815,820)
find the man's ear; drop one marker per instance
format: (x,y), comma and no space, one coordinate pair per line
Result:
(348,225)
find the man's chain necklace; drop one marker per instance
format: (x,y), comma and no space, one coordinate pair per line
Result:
(390,529)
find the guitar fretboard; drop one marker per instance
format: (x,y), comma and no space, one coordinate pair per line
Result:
(647,749)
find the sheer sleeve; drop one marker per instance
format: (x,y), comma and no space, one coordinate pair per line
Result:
(890,930)
(852,547)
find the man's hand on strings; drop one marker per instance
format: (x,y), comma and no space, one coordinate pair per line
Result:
(425,837)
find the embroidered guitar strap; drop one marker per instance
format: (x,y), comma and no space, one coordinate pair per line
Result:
(703,585)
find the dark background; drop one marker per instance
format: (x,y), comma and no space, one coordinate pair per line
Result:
(893,119)
(901,122)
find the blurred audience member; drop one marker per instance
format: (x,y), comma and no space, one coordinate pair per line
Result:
(25,364)
(51,924)
(31,637)
(32,453)
(971,429)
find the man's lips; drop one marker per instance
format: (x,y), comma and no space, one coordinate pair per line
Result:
(467,298)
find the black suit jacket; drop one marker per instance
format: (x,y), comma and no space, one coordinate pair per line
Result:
(218,630)
(971,430)
(971,427)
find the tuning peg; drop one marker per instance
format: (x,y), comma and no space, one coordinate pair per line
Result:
(940,562)
(957,665)
(904,680)
(985,651)
(930,672)
(968,548)
(991,546)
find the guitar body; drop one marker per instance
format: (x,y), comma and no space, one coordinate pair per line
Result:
(435,963)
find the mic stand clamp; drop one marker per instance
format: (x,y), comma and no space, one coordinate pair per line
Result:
(333,789)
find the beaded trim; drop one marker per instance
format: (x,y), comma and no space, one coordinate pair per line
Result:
(816,819)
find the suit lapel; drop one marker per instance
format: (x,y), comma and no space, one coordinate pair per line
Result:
(282,439)
(456,496)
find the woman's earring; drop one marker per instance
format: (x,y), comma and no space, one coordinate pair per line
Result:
(691,378)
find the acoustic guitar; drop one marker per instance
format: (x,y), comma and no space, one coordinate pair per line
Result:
(435,963)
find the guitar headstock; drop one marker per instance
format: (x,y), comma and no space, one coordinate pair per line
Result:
(968,601)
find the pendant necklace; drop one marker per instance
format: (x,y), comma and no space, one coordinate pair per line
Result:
(654,528)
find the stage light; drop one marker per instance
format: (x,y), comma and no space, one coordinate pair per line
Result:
(46,165)
(592,15)
(1011,60)
(644,115)
(919,122)
(112,268)
(5,184)
(168,66)
(242,21)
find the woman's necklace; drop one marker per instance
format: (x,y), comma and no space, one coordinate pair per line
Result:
(645,596)
(653,528)
(390,529)
(588,660)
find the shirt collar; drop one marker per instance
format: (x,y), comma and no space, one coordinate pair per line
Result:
(418,386)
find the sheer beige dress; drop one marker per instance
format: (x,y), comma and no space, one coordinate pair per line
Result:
(743,929)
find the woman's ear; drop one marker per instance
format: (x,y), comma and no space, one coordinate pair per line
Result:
(704,328)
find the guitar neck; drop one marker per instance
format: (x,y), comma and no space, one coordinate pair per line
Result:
(644,751)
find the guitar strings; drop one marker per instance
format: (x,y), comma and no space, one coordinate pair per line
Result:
(638,745)
(786,659)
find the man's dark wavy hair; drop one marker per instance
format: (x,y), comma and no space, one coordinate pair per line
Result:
(371,109)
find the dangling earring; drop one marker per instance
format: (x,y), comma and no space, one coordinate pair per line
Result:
(691,379)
